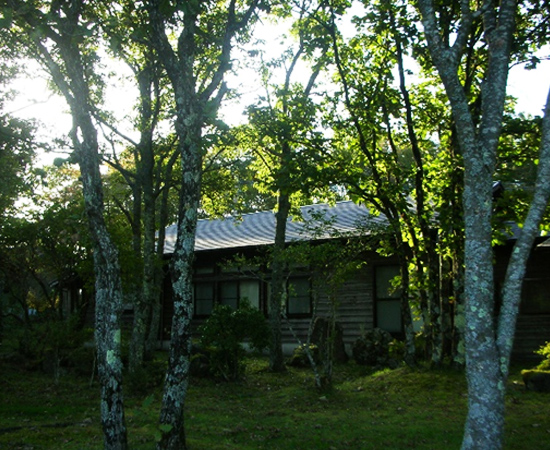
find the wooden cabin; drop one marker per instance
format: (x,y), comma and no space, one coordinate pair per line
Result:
(366,300)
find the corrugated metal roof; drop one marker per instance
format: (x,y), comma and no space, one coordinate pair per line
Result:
(257,229)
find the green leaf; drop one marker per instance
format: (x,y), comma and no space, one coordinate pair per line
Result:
(148,401)
(165,427)
(7,18)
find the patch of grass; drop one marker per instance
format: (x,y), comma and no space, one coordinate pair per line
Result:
(399,409)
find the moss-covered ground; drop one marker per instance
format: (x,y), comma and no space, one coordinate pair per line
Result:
(398,409)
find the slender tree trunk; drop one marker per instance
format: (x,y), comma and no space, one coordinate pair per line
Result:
(108,286)
(177,376)
(139,325)
(154,330)
(278,288)
(108,337)
(406,317)
(486,381)
(434,300)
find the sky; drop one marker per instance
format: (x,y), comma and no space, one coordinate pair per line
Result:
(530,87)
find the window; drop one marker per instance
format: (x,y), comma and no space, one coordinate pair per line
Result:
(388,299)
(299,296)
(250,291)
(204,298)
(230,292)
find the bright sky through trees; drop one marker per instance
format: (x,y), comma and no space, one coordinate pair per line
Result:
(35,101)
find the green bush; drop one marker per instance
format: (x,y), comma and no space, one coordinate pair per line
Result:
(224,334)
(50,343)
(545,352)
(145,379)
(300,358)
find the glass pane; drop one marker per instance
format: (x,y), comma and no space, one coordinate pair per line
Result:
(250,290)
(384,285)
(204,298)
(299,300)
(388,315)
(229,294)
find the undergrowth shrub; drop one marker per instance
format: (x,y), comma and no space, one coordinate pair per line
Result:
(300,357)
(373,348)
(144,379)
(51,343)
(224,333)
(544,351)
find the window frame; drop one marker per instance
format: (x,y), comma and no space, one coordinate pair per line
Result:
(217,277)
(289,297)
(393,299)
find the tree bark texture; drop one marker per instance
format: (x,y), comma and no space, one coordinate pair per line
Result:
(176,382)
(108,285)
(67,68)
(488,348)
(196,99)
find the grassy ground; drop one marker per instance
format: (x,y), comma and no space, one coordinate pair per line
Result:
(399,409)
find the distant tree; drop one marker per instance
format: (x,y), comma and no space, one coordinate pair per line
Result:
(17,148)
(285,138)
(44,252)
(382,151)
(332,262)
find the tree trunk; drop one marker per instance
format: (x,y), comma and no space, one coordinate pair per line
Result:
(108,285)
(406,316)
(478,141)
(278,288)
(108,335)
(154,329)
(189,129)
(485,421)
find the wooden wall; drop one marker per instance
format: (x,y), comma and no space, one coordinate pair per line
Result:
(533,325)
(355,312)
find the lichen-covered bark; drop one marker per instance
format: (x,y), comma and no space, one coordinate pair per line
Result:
(64,58)
(176,381)
(197,95)
(108,286)
(485,364)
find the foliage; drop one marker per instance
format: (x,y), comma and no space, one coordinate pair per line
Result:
(146,378)
(373,348)
(16,156)
(51,344)
(46,250)
(224,333)
(536,380)
(544,351)
(300,355)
